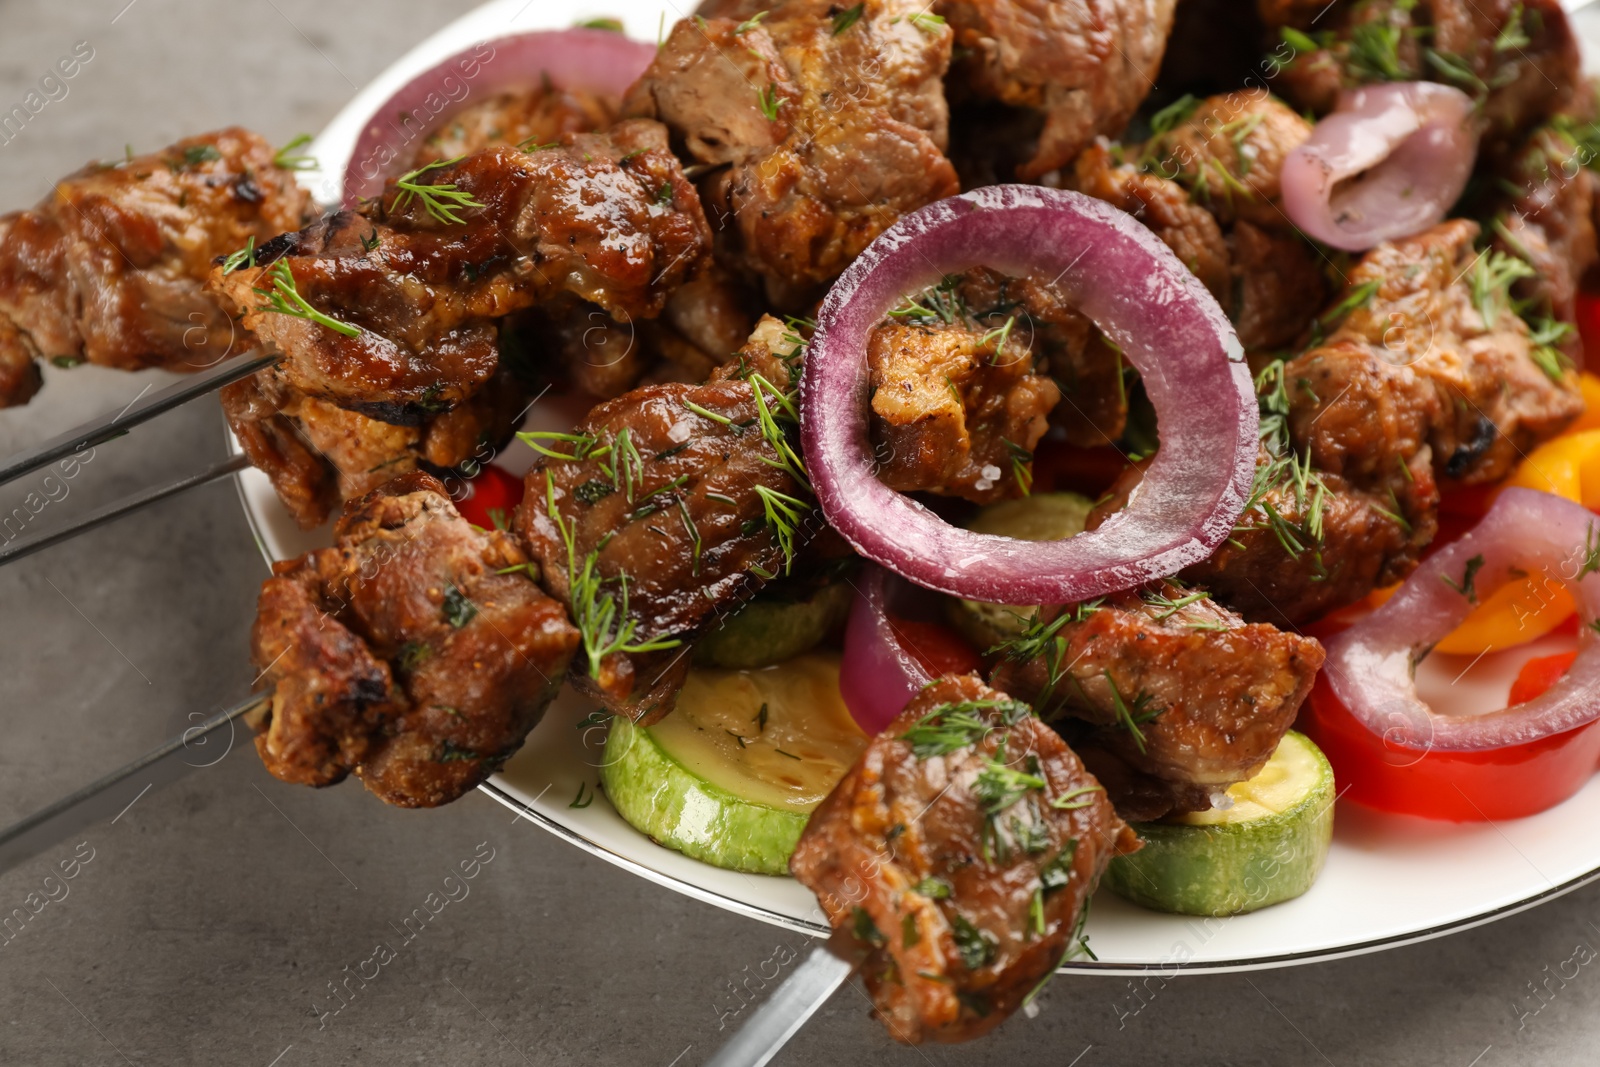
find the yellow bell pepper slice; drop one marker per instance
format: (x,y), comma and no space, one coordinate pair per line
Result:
(1522,611)
(1589,384)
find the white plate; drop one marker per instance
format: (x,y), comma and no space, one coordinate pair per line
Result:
(1389,880)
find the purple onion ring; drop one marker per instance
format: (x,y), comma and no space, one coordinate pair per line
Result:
(594,60)
(877,675)
(1389,162)
(1371,666)
(1133,287)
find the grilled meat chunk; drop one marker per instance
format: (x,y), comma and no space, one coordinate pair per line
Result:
(1549,222)
(1518,57)
(1433,356)
(110,267)
(1175,698)
(19,372)
(538,115)
(414,286)
(819,140)
(657,515)
(1085,64)
(403,653)
(961,849)
(318,454)
(956,405)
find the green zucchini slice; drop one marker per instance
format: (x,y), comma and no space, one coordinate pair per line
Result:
(1269,846)
(732,775)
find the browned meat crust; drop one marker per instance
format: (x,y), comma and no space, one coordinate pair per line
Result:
(318,454)
(956,407)
(1519,57)
(607,217)
(1181,697)
(965,896)
(109,268)
(19,373)
(1085,64)
(405,653)
(664,498)
(820,140)
(540,114)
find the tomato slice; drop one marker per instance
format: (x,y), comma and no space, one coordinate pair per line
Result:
(1062,468)
(490,498)
(939,649)
(1540,674)
(1503,783)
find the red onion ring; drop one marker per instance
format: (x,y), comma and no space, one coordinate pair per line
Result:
(595,60)
(877,675)
(1135,290)
(1389,162)
(1371,666)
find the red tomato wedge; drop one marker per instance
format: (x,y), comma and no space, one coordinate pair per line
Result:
(1540,674)
(939,649)
(490,498)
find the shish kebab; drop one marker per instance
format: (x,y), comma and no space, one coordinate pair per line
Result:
(380,724)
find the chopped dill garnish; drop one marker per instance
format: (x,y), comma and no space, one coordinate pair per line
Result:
(285,299)
(290,158)
(927,22)
(1466,586)
(1133,715)
(749,24)
(768,99)
(1069,801)
(458,609)
(580,801)
(1493,273)
(443,202)
(244,257)
(843,20)
(976,947)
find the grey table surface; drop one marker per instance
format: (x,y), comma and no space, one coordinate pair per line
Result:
(213,915)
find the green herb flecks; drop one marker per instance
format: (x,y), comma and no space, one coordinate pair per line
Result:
(1134,714)
(458,610)
(443,202)
(289,157)
(581,801)
(975,947)
(244,257)
(1466,587)
(285,299)
(843,20)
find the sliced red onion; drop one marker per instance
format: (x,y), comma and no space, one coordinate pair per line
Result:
(1371,666)
(594,60)
(877,676)
(1389,162)
(1133,288)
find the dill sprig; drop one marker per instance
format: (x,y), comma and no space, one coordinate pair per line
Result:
(769,102)
(950,727)
(289,157)
(244,257)
(584,446)
(1547,333)
(937,303)
(1492,275)
(1000,785)
(1131,715)
(603,625)
(1283,473)
(847,18)
(1169,607)
(443,202)
(285,299)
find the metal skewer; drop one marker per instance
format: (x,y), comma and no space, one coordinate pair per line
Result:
(116,792)
(100,430)
(808,988)
(116,509)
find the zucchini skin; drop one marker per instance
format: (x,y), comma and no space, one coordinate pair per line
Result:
(768,630)
(1231,868)
(679,810)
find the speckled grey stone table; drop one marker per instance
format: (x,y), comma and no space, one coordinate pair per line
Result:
(206,924)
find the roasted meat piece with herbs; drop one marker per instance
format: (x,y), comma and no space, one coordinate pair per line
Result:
(537,115)
(660,511)
(961,850)
(392,312)
(821,125)
(318,454)
(417,652)
(1084,65)
(956,404)
(1518,58)
(110,268)
(1167,696)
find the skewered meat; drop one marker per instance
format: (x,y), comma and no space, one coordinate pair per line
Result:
(421,277)
(820,140)
(1176,697)
(956,406)
(540,114)
(409,653)
(109,268)
(1434,356)
(19,373)
(1519,57)
(657,515)
(1086,64)
(961,848)
(318,454)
